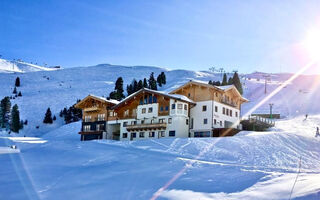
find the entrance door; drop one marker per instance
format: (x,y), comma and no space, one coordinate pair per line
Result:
(131,136)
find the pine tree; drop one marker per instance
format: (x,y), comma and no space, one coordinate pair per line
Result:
(210,82)
(1,118)
(26,122)
(15,119)
(48,117)
(129,89)
(14,90)
(163,78)
(17,84)
(118,92)
(230,81)
(19,94)
(5,108)
(224,81)
(145,83)
(54,118)
(159,80)
(140,85)
(152,82)
(237,83)
(135,85)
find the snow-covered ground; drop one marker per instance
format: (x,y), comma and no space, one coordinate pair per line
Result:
(51,162)
(250,165)
(21,67)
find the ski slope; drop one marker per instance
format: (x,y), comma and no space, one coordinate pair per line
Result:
(250,165)
(21,67)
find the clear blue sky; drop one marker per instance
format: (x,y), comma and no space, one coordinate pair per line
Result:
(244,35)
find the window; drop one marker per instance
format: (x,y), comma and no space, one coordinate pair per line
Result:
(133,122)
(86,128)
(205,121)
(141,134)
(172,133)
(143,110)
(216,94)
(151,134)
(224,111)
(179,106)
(101,117)
(173,106)
(126,113)
(145,101)
(142,121)
(191,125)
(230,113)
(187,121)
(134,135)
(110,114)
(161,108)
(216,108)
(150,110)
(141,101)
(100,127)
(151,121)
(227,111)
(204,108)
(215,121)
(236,114)
(87,118)
(162,134)
(161,121)
(169,120)
(150,99)
(167,108)
(185,107)
(125,124)
(124,135)
(189,94)
(220,123)
(154,99)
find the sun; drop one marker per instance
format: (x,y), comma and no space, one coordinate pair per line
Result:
(312,44)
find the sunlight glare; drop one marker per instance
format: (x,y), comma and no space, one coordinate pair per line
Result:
(312,44)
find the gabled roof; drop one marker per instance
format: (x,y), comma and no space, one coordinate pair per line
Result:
(224,88)
(101,99)
(172,96)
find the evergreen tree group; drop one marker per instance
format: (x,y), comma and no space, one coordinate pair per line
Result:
(235,80)
(71,114)
(150,83)
(10,118)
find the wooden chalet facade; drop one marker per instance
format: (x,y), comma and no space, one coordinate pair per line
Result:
(193,110)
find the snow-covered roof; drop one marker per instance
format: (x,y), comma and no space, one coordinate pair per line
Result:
(225,87)
(105,99)
(173,96)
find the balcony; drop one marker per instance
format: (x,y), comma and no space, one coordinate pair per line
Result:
(91,109)
(90,132)
(229,103)
(141,127)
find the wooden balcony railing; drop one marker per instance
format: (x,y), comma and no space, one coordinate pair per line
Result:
(153,126)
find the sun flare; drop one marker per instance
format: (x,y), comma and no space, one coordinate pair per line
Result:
(312,44)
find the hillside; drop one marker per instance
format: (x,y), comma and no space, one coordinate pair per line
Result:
(21,67)
(60,88)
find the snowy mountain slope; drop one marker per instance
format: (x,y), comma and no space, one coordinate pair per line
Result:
(298,98)
(61,88)
(247,166)
(21,67)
